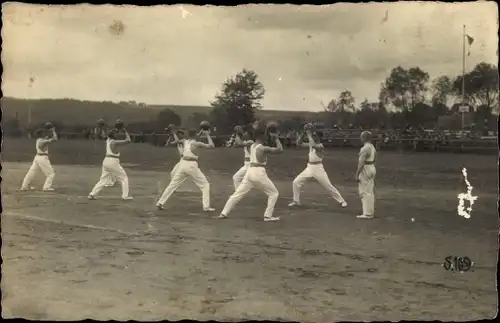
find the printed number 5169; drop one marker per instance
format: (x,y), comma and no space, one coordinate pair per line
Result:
(461,264)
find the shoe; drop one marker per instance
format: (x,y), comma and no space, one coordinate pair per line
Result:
(128,198)
(221,216)
(272,218)
(208,209)
(91,197)
(294,204)
(159,207)
(364,216)
(343,204)
(50,189)
(23,189)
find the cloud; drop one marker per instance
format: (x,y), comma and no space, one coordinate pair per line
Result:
(341,18)
(303,54)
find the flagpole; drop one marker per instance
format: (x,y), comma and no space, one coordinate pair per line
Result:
(463,77)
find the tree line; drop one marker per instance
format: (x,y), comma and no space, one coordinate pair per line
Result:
(407,97)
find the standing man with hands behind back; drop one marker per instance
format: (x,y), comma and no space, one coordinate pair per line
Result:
(365,175)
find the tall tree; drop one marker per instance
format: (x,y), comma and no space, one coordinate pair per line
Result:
(346,101)
(333,116)
(367,115)
(341,108)
(481,86)
(332,106)
(403,88)
(442,90)
(238,100)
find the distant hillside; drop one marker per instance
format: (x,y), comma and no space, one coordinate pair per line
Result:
(75,112)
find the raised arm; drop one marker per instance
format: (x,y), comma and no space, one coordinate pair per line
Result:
(51,139)
(300,142)
(125,141)
(312,142)
(238,142)
(274,150)
(175,140)
(54,135)
(204,145)
(169,141)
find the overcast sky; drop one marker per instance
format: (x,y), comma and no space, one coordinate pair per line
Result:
(174,55)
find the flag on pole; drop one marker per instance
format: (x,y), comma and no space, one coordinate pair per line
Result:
(470,40)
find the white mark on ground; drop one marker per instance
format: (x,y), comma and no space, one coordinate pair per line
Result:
(462,197)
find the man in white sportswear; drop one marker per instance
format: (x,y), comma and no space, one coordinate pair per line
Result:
(314,169)
(177,139)
(188,167)
(41,160)
(245,143)
(365,175)
(111,166)
(256,176)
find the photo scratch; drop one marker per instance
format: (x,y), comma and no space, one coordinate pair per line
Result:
(462,197)
(184,12)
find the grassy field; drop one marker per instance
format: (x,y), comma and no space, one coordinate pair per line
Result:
(68,258)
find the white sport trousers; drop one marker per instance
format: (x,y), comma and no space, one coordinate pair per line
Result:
(239,175)
(365,189)
(40,162)
(183,170)
(317,172)
(255,177)
(111,168)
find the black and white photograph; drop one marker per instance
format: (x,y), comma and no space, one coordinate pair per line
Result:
(274,162)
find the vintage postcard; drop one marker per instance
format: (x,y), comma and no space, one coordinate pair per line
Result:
(255,162)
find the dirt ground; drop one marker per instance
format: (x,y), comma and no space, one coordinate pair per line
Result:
(67,258)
